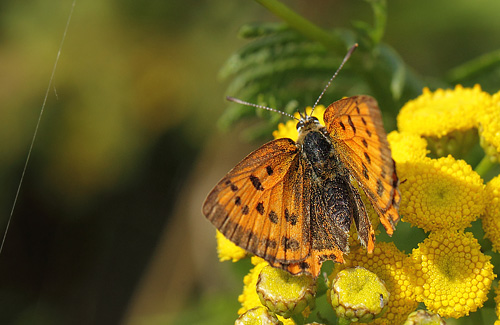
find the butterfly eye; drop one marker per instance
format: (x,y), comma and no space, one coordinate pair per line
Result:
(301,124)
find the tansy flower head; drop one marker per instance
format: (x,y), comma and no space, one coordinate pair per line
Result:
(227,250)
(489,128)
(407,146)
(394,268)
(491,218)
(289,129)
(451,113)
(440,193)
(358,295)
(249,298)
(497,301)
(452,275)
(435,114)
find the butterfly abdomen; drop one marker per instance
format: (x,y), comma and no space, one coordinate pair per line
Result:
(333,202)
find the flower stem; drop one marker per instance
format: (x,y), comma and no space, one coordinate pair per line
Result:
(484,166)
(304,26)
(298,318)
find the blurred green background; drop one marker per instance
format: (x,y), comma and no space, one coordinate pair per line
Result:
(108,227)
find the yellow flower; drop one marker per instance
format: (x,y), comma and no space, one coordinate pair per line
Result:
(497,301)
(447,118)
(249,298)
(289,129)
(227,250)
(440,193)
(452,275)
(395,269)
(435,114)
(407,146)
(489,128)
(491,218)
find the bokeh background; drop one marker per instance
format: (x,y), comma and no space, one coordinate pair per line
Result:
(108,226)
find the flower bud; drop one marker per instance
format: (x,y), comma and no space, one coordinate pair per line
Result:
(283,293)
(358,295)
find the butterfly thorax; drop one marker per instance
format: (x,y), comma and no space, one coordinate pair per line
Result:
(317,148)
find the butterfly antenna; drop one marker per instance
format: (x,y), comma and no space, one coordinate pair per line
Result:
(242,102)
(347,56)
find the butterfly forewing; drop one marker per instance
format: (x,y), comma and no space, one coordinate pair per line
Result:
(260,206)
(355,125)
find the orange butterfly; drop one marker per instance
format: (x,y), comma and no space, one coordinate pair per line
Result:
(292,203)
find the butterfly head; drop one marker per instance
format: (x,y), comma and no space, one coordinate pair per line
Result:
(307,122)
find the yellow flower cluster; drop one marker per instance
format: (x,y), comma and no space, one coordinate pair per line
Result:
(448,272)
(407,147)
(395,269)
(438,113)
(497,302)
(440,193)
(452,275)
(489,128)
(445,195)
(227,250)
(249,298)
(491,218)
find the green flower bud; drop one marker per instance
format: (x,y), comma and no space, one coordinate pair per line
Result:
(423,317)
(358,295)
(283,293)
(258,316)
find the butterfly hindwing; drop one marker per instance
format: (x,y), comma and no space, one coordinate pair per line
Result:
(355,125)
(260,206)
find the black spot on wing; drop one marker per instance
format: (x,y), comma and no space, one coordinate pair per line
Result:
(245,210)
(363,141)
(342,125)
(365,172)
(304,265)
(380,188)
(290,244)
(351,123)
(291,218)
(269,170)
(234,188)
(237,201)
(273,217)
(256,183)
(271,243)
(367,157)
(260,208)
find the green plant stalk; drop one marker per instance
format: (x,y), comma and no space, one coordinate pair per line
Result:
(298,318)
(304,26)
(484,166)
